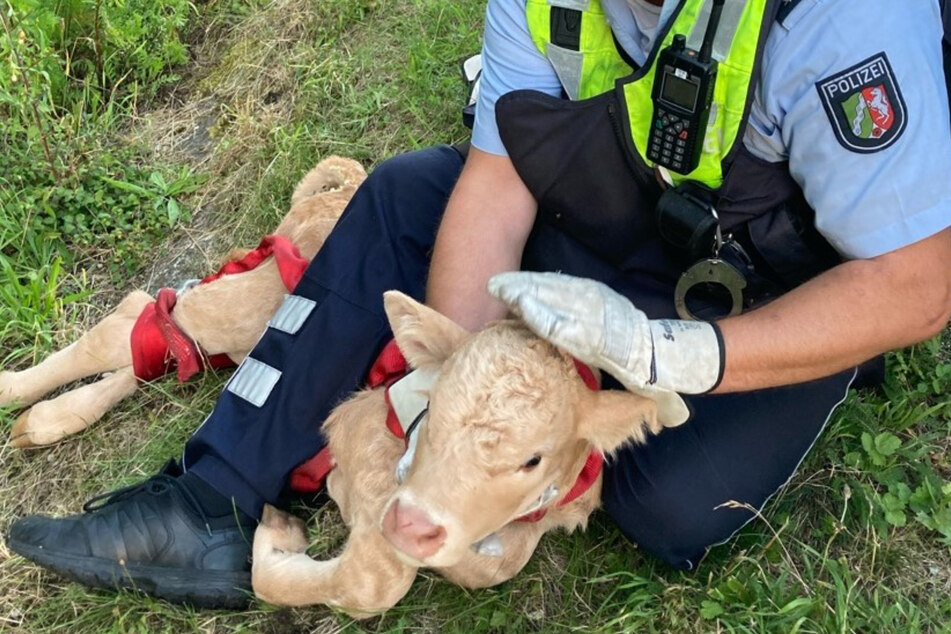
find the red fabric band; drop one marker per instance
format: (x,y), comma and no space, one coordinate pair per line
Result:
(290,263)
(389,367)
(310,476)
(159,345)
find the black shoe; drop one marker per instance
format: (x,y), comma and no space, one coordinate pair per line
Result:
(153,537)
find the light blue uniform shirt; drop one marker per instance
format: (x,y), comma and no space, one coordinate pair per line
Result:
(867,203)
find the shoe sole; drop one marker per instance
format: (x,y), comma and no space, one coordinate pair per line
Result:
(205,589)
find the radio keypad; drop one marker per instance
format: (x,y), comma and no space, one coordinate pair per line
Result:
(669,140)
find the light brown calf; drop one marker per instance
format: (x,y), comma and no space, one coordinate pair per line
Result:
(510,422)
(216,316)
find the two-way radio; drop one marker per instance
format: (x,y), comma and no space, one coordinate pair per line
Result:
(682,96)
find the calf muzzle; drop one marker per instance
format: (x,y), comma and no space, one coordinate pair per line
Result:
(411,531)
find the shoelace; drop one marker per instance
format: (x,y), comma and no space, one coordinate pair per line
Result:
(156,485)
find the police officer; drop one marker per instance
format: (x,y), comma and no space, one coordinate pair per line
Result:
(827,159)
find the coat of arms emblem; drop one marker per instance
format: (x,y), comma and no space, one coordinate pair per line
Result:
(864,105)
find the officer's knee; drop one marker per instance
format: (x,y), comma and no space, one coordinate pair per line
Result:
(411,188)
(395,171)
(406,172)
(673,528)
(664,536)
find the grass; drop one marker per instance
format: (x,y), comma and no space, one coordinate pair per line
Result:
(857,542)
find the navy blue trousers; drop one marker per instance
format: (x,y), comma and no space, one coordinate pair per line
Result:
(663,494)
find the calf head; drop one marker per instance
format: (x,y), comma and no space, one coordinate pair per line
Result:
(509,426)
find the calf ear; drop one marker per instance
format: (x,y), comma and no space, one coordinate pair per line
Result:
(424,336)
(610,418)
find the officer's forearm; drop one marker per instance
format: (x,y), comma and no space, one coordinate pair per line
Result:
(483,232)
(841,318)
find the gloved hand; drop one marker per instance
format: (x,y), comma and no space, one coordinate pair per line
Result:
(654,358)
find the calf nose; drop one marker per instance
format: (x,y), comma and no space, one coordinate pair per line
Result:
(411,531)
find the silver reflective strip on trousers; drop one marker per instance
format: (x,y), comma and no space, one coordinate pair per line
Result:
(568,68)
(729,23)
(254,381)
(292,314)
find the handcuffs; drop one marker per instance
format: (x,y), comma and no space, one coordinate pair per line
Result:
(712,270)
(687,219)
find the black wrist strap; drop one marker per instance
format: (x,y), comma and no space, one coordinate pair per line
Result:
(716,329)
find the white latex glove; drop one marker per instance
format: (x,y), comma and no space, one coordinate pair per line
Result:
(654,358)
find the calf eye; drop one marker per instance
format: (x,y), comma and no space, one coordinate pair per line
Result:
(532,463)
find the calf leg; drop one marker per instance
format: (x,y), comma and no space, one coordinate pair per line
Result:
(104,348)
(50,421)
(365,579)
(219,317)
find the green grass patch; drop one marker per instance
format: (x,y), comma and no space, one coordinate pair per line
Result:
(74,194)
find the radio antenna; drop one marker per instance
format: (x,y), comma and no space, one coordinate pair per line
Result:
(706,50)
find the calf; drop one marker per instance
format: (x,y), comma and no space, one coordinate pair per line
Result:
(509,427)
(215,316)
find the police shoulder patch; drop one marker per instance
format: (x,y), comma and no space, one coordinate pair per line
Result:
(865,105)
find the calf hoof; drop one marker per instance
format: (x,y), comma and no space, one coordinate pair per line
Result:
(44,424)
(12,394)
(281,531)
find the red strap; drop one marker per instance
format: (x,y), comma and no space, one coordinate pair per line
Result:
(158,344)
(181,346)
(290,263)
(587,477)
(587,375)
(150,358)
(310,476)
(592,466)
(589,474)
(389,367)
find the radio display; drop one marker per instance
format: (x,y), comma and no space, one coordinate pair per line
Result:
(679,92)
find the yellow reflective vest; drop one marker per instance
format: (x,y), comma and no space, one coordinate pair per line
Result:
(576,37)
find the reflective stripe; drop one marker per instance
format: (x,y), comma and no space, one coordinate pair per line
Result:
(743,27)
(731,92)
(568,68)
(292,314)
(600,64)
(577,5)
(254,381)
(729,23)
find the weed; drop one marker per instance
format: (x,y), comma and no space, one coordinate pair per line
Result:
(100,43)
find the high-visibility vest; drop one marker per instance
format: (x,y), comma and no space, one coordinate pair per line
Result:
(576,37)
